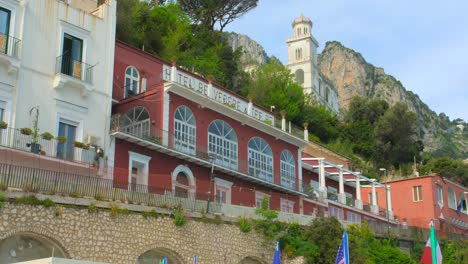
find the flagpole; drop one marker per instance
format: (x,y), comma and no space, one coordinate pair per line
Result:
(433,244)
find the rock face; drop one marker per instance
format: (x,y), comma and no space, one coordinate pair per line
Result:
(353,76)
(253,53)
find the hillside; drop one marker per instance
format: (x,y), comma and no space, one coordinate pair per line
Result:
(352,76)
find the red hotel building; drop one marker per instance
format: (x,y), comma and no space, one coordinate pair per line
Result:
(174,131)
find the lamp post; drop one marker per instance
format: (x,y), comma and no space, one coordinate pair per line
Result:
(212,158)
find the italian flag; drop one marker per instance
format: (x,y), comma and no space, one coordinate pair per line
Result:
(432,253)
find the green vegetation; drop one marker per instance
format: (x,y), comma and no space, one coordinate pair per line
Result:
(244,225)
(92,208)
(2,199)
(150,214)
(456,170)
(180,217)
(33,200)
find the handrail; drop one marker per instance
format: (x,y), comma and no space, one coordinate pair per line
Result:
(65,64)
(10,46)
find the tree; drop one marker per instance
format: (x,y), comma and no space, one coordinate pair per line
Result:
(455,170)
(326,232)
(365,109)
(396,141)
(210,12)
(322,122)
(273,84)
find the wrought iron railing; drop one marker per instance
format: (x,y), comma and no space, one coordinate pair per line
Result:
(65,64)
(157,136)
(16,139)
(10,45)
(36,180)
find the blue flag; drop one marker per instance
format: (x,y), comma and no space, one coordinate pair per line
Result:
(276,257)
(342,256)
(460,205)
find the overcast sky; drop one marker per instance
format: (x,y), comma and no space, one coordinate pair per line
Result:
(424,44)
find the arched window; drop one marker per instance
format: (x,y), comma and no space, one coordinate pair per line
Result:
(222,141)
(299,76)
(183,182)
(260,159)
(136,122)
(305,30)
(300,53)
(452,199)
(288,170)
(132,78)
(184,130)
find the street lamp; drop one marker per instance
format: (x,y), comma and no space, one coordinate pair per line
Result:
(384,171)
(212,158)
(272,108)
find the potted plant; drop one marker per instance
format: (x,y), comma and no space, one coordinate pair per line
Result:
(26,131)
(47,136)
(3,125)
(61,139)
(81,145)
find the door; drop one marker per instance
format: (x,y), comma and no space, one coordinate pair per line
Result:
(66,150)
(4,29)
(72,55)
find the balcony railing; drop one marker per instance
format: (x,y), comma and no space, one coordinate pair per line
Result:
(13,138)
(10,45)
(65,64)
(168,140)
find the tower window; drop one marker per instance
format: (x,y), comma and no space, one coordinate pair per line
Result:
(299,76)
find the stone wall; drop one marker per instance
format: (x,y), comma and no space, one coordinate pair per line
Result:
(100,237)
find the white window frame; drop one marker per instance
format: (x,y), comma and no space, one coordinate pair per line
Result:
(452,198)
(440,195)
(286,206)
(12,6)
(217,145)
(259,160)
(417,191)
(337,212)
(77,32)
(141,159)
(225,186)
(259,196)
(133,80)
(288,169)
(191,179)
(185,134)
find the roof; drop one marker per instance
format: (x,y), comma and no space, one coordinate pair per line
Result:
(302,19)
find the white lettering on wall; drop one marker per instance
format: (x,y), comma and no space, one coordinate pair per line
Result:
(218,95)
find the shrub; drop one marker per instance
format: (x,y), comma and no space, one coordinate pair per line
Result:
(180,217)
(217,220)
(26,131)
(116,210)
(81,145)
(244,225)
(30,200)
(48,203)
(3,125)
(148,214)
(47,136)
(2,199)
(92,208)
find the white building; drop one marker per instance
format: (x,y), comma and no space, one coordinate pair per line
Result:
(57,56)
(302,61)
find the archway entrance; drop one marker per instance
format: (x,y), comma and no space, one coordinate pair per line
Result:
(251,260)
(156,255)
(26,246)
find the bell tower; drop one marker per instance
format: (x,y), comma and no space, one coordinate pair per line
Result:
(302,54)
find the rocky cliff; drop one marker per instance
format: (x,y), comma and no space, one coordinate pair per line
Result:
(353,76)
(253,53)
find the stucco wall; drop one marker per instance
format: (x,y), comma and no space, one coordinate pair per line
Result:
(99,237)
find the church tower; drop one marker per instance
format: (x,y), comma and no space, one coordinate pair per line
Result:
(302,54)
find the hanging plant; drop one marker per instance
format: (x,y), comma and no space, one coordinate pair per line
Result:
(3,125)
(61,139)
(47,136)
(26,131)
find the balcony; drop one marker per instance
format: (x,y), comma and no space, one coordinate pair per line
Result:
(13,139)
(73,73)
(168,143)
(10,49)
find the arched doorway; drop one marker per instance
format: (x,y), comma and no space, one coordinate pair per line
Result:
(251,260)
(183,182)
(26,246)
(156,255)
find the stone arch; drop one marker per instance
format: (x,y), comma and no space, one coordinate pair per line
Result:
(26,245)
(155,254)
(252,260)
(183,169)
